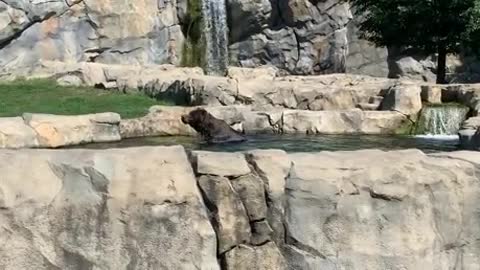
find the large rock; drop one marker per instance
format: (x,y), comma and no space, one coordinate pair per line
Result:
(14,133)
(231,222)
(263,257)
(61,130)
(404,98)
(136,208)
(130,32)
(409,211)
(345,122)
(160,121)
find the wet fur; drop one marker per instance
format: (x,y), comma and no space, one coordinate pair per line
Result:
(213,130)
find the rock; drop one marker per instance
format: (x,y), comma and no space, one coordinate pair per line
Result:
(343,198)
(221,164)
(344,122)
(231,221)
(261,232)
(14,133)
(469,139)
(432,94)
(130,33)
(259,73)
(255,258)
(273,166)
(405,99)
(109,209)
(69,80)
(471,123)
(252,193)
(59,130)
(160,121)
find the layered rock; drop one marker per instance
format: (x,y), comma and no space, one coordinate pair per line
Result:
(131,32)
(114,209)
(140,208)
(59,130)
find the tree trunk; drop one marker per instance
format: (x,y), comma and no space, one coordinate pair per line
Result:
(441,64)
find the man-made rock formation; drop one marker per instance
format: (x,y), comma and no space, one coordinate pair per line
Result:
(114,209)
(50,131)
(132,31)
(142,208)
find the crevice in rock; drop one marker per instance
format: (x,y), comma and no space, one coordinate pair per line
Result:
(290,240)
(7,41)
(384,197)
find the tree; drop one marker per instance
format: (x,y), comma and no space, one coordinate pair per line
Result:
(433,26)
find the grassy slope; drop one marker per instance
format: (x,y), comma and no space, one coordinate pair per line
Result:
(44,96)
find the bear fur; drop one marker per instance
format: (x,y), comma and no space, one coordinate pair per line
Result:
(213,130)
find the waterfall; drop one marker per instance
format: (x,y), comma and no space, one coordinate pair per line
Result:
(441,120)
(216,36)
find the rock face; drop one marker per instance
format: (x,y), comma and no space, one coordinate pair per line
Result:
(55,130)
(133,32)
(14,133)
(409,211)
(103,210)
(146,208)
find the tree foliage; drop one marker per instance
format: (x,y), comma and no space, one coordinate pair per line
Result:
(434,26)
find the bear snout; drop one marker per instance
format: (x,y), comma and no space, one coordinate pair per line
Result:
(185,119)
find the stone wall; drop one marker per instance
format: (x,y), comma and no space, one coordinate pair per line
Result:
(155,208)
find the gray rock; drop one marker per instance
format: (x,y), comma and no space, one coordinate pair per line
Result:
(222,164)
(252,193)
(261,232)
(231,220)
(262,257)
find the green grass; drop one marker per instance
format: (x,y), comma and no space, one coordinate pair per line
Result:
(45,96)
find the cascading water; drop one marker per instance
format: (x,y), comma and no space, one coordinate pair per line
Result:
(442,120)
(216,36)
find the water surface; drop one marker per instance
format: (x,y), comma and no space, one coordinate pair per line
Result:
(298,143)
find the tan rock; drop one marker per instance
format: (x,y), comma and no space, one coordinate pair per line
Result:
(109,209)
(61,130)
(403,98)
(265,257)
(222,164)
(14,133)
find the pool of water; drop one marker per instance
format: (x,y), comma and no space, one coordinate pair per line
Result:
(298,143)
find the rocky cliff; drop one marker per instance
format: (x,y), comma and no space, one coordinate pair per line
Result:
(161,208)
(298,36)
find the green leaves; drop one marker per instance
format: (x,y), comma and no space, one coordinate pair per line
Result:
(422,24)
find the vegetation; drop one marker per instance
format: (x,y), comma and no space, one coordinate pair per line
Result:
(194,45)
(45,96)
(433,26)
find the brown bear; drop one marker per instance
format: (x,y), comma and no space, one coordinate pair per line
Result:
(213,130)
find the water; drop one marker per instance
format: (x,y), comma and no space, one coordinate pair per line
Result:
(442,120)
(216,36)
(297,143)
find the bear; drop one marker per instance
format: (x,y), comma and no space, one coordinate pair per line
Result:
(212,130)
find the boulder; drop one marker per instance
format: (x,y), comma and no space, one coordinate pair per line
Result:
(250,189)
(61,130)
(221,164)
(262,257)
(347,210)
(160,121)
(470,139)
(136,208)
(231,220)
(432,94)
(404,98)
(14,133)
(344,122)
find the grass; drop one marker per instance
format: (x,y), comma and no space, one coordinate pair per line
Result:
(45,96)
